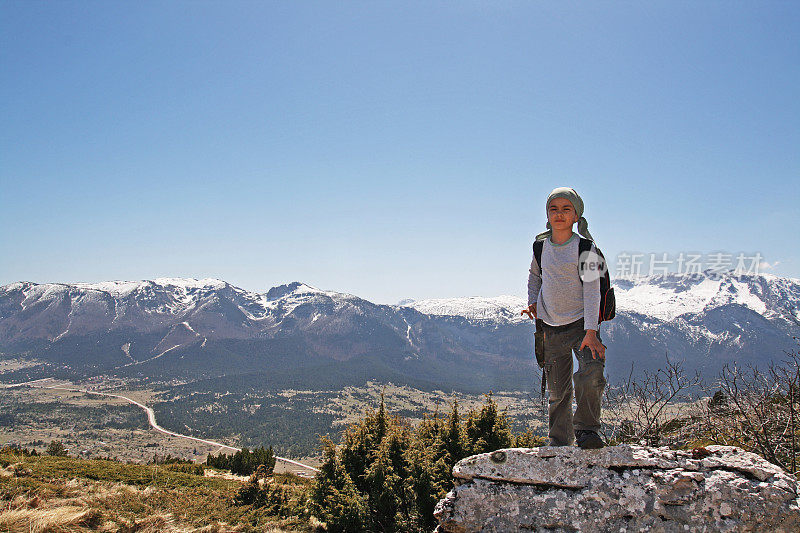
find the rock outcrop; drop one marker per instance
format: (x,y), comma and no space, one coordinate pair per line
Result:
(620,488)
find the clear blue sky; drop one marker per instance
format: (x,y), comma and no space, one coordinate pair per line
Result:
(389,150)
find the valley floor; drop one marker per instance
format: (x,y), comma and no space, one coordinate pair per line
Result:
(101,426)
(93,426)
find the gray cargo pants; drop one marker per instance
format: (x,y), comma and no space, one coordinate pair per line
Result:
(559,343)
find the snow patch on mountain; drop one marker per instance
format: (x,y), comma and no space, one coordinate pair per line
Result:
(117,289)
(192,283)
(283,299)
(668,297)
(17,285)
(293,288)
(733,291)
(121,289)
(665,301)
(503,309)
(186,324)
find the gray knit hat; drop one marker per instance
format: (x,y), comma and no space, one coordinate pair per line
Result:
(577,203)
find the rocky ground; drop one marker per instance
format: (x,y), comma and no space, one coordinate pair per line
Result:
(620,488)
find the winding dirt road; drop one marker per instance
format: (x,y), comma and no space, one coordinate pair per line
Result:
(151,418)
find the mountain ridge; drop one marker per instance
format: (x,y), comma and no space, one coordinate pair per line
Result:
(181,325)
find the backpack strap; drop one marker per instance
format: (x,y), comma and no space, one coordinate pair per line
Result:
(584,245)
(538,246)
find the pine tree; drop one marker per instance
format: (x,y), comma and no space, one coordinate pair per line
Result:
(454,438)
(386,476)
(360,444)
(244,462)
(380,421)
(334,497)
(56,449)
(429,470)
(488,430)
(382,481)
(528,439)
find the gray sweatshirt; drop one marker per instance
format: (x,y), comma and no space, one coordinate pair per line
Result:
(558,293)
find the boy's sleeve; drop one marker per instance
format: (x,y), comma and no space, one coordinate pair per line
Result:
(591,297)
(535,282)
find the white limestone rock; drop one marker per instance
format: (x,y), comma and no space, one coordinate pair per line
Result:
(619,488)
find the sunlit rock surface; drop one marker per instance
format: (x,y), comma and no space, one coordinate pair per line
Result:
(619,488)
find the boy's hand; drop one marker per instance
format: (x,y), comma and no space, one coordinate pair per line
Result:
(591,341)
(530,311)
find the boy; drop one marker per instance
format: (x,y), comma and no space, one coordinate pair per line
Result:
(567,302)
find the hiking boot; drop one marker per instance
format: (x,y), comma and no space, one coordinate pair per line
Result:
(588,439)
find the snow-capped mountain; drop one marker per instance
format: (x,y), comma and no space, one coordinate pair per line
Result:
(500,309)
(706,321)
(661,298)
(196,328)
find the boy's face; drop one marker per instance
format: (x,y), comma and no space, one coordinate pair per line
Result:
(561,214)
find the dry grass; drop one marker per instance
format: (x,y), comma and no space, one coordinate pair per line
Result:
(50,494)
(34,515)
(65,518)
(69,518)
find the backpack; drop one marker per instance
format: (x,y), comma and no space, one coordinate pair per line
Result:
(608,303)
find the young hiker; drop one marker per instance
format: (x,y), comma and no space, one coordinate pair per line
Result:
(564,298)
